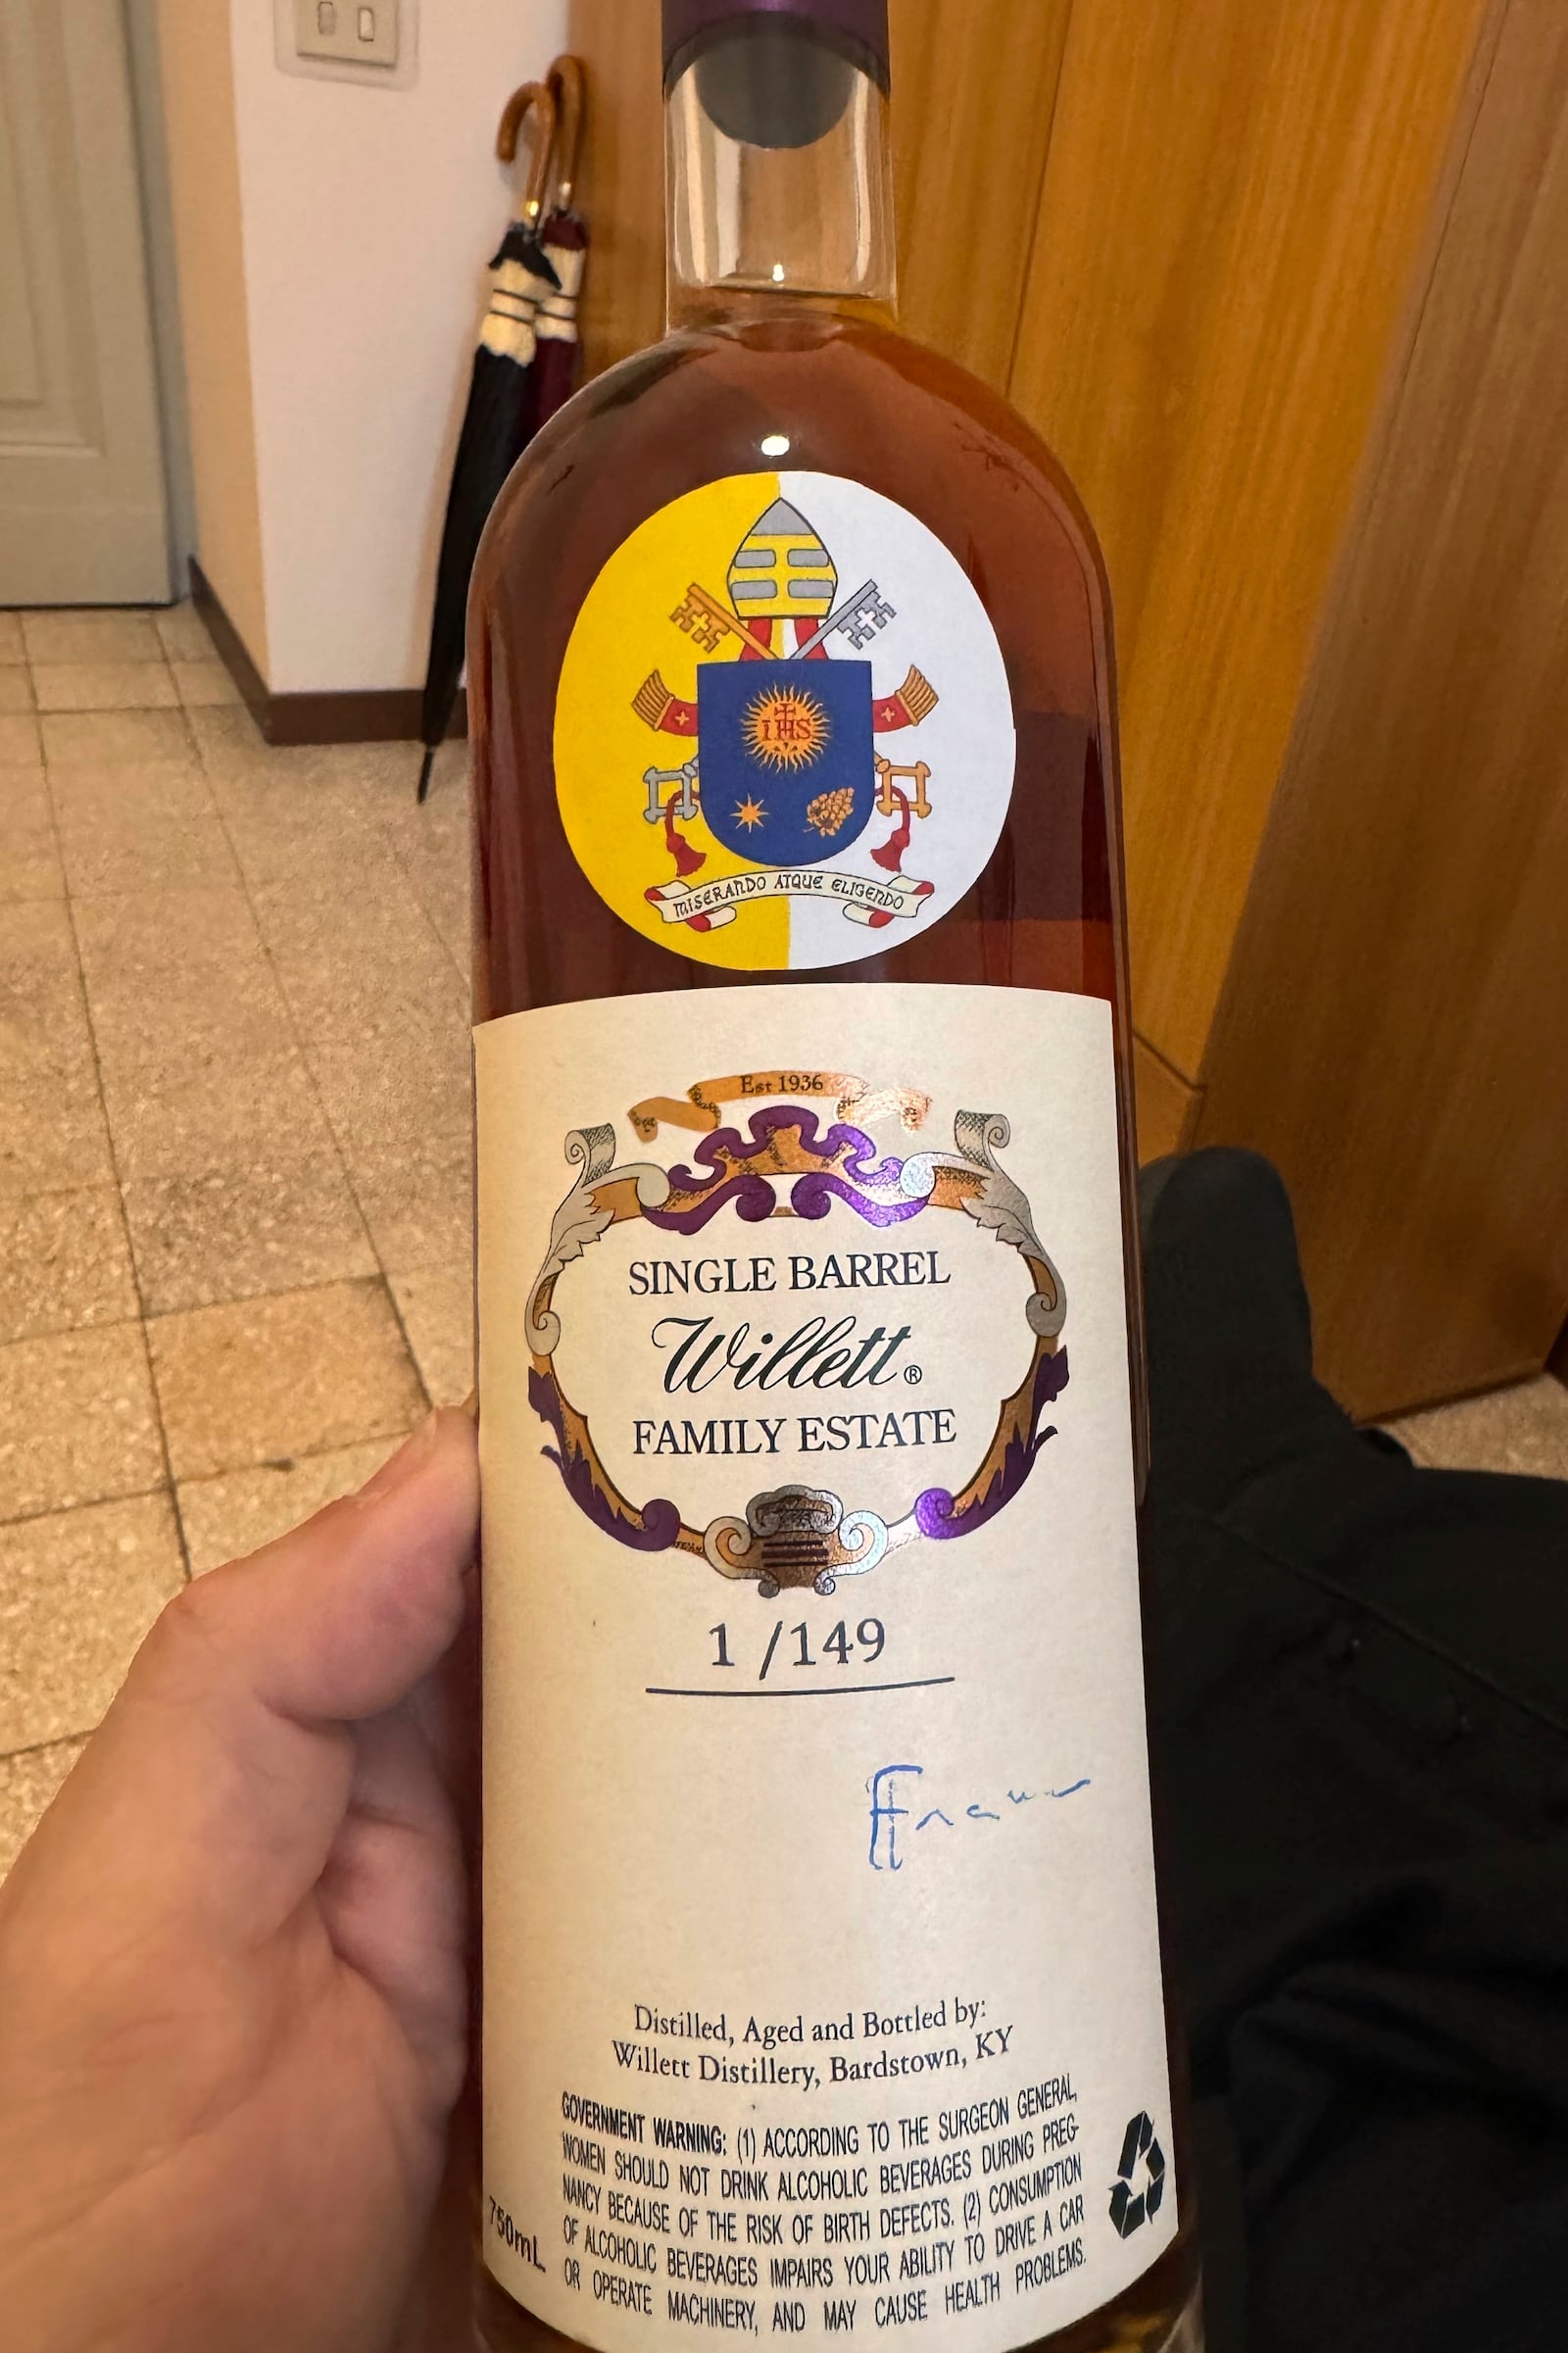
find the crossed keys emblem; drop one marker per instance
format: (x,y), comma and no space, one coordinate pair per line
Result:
(708,622)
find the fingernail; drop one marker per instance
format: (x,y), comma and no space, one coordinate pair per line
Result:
(410,1458)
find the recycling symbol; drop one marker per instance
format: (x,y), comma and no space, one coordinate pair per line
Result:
(1139,2148)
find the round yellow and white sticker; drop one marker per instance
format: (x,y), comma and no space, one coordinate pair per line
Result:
(784,736)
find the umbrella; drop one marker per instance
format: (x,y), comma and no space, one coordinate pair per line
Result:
(564,238)
(499,418)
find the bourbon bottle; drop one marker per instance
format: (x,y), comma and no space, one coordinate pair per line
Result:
(822,1983)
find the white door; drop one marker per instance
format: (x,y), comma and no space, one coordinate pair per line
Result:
(83,509)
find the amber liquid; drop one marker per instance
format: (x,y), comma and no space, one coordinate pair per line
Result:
(1046,913)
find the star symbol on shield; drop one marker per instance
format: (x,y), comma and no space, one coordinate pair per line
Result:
(750,813)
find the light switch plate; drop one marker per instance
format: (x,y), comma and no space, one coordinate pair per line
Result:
(357,32)
(369,41)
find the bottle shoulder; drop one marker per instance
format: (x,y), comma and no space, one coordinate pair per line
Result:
(811,393)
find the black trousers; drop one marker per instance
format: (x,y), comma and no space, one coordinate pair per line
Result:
(1360,1694)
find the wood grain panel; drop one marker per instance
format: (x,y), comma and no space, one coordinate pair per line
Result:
(1236,204)
(972,98)
(974,88)
(1395,1028)
(620,178)
(1167,1107)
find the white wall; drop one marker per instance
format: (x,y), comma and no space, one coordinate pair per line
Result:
(369,216)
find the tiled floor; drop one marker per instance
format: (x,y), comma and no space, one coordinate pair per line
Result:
(234,1246)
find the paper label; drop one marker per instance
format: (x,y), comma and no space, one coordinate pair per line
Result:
(822,1988)
(783,732)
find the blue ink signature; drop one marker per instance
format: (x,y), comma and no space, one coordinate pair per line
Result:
(887,1812)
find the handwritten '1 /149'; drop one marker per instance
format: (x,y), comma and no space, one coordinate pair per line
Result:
(863,1646)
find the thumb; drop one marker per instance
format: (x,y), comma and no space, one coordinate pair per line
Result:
(212,1791)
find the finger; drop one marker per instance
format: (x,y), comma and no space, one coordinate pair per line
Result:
(214,1787)
(341,1620)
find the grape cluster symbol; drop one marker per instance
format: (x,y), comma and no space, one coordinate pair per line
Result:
(1139,2151)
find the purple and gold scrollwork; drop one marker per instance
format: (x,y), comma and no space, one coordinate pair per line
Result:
(786,1163)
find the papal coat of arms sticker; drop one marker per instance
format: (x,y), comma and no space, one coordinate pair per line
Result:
(784,736)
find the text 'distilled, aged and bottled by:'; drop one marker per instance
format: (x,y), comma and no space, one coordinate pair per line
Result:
(822,1988)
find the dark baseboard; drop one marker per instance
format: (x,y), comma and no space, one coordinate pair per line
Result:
(365,716)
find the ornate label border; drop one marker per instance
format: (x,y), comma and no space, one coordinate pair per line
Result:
(786,1165)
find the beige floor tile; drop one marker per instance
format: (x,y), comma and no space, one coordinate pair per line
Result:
(326,911)
(306,816)
(69,636)
(29,854)
(349,957)
(395,1086)
(65,1263)
(418,1199)
(435,831)
(16,687)
(104,686)
(312,840)
(1521,1428)
(225,1518)
(44,1020)
(182,634)
(231,743)
(13,645)
(190,1026)
(118,738)
(155,792)
(52,1134)
(52,1137)
(136,828)
(199,1071)
(136,941)
(436,1304)
(234,1233)
(27,1785)
(20,740)
(167,970)
(78,1591)
(446,900)
(236,756)
(210,1115)
(310,776)
(294,1374)
(205,685)
(29,864)
(78,1424)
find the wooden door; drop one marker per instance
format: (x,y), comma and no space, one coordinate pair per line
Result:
(83,510)
(1395,1025)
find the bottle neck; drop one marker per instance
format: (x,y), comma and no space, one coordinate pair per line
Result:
(777,180)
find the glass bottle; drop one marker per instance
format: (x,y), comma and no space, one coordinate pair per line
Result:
(792,699)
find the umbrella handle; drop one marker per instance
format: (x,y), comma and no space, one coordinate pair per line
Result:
(569,87)
(534,98)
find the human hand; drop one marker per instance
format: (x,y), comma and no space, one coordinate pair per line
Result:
(233,1957)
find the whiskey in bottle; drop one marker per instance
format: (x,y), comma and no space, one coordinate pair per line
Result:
(822,1983)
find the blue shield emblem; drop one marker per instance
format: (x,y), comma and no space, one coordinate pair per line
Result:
(786,760)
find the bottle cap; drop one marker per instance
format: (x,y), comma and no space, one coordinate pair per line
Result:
(863,22)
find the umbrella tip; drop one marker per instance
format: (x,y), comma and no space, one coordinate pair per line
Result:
(425,765)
